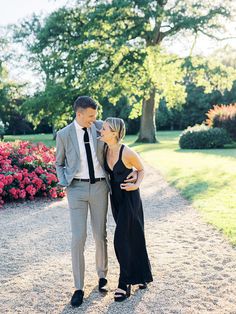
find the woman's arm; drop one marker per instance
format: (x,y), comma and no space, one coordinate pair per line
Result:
(132,160)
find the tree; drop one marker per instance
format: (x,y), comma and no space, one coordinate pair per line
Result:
(11,95)
(11,99)
(208,82)
(53,105)
(137,27)
(121,109)
(111,49)
(53,53)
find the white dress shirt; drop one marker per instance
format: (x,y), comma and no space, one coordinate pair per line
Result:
(84,171)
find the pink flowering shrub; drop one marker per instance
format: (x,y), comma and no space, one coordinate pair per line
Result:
(27,170)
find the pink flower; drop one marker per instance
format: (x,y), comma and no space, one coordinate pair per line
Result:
(43,187)
(61,194)
(13,192)
(51,178)
(22,194)
(27,170)
(26,181)
(30,190)
(37,182)
(9,179)
(39,170)
(53,192)
(27,159)
(18,176)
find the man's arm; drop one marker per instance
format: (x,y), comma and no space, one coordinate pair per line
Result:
(60,161)
(132,177)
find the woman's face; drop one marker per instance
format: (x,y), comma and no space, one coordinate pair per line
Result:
(107,135)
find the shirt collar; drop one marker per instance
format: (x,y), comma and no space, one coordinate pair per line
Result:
(77,126)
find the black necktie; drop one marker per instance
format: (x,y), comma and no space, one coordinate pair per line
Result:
(89,156)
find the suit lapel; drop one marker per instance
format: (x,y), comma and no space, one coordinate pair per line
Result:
(74,138)
(94,135)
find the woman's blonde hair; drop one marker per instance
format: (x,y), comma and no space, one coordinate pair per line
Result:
(117,125)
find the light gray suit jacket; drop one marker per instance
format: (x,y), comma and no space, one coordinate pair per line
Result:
(68,152)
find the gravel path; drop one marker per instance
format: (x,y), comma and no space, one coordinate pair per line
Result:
(194,267)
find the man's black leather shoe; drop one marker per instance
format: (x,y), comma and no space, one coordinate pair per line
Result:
(102,285)
(77,298)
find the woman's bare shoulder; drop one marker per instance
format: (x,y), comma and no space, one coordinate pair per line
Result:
(129,152)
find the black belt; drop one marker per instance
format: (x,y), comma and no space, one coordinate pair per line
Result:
(87,180)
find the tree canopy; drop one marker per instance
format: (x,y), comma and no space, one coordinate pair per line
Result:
(113,49)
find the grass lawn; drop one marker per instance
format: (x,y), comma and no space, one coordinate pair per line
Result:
(47,139)
(205,177)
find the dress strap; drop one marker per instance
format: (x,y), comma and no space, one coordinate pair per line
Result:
(121,151)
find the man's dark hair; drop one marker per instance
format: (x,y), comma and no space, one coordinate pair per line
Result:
(84,102)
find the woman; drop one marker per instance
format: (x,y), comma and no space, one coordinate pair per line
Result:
(129,239)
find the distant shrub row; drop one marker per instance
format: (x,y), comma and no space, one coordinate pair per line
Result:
(202,136)
(220,129)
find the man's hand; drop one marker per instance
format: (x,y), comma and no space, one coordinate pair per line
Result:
(132,177)
(129,186)
(63,187)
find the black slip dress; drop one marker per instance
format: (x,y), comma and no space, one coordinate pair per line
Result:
(129,238)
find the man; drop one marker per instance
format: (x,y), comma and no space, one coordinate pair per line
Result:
(79,165)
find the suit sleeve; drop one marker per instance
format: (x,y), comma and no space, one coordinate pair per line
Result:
(60,160)
(98,124)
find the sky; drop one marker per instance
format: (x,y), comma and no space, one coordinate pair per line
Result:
(12,11)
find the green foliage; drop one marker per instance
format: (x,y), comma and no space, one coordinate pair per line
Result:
(111,49)
(208,73)
(201,137)
(223,117)
(10,103)
(163,116)
(123,110)
(198,102)
(204,88)
(53,105)
(229,95)
(166,74)
(205,177)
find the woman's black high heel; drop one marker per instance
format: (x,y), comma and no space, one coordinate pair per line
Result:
(142,286)
(120,294)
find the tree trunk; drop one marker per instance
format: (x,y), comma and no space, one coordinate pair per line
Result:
(148,125)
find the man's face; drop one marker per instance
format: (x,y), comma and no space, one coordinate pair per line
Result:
(86,117)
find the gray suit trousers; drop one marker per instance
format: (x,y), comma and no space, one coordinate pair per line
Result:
(81,196)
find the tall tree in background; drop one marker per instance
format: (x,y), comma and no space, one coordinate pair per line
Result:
(11,95)
(128,25)
(112,49)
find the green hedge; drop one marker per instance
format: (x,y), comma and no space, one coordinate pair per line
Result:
(202,136)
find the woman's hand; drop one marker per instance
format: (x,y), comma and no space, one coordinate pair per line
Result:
(129,186)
